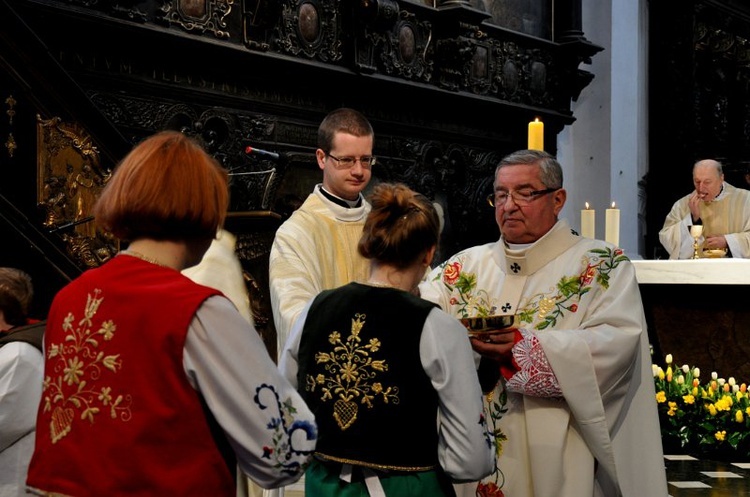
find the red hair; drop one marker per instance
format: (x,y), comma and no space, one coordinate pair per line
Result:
(166,188)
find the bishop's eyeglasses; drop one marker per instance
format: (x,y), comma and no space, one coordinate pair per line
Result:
(348,162)
(523,196)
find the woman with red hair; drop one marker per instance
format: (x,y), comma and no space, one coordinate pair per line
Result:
(154,384)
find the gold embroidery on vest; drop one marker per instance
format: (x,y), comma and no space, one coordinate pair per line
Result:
(76,372)
(350,369)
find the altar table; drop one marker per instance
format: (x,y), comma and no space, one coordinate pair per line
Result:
(698,310)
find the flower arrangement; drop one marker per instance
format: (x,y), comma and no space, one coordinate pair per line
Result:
(710,418)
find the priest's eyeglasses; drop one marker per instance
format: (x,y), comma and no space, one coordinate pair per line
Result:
(348,162)
(521,197)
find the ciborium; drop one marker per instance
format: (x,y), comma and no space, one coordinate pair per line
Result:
(482,325)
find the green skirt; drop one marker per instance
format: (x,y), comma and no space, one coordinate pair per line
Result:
(322,480)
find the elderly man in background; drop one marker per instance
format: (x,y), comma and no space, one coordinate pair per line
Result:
(573,414)
(722,209)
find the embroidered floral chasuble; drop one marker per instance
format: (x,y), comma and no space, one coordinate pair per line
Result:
(578,305)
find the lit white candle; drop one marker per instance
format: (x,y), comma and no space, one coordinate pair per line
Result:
(612,226)
(588,222)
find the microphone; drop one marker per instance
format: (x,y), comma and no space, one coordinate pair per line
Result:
(71,224)
(262,153)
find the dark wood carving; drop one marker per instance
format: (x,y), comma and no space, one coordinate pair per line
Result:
(235,73)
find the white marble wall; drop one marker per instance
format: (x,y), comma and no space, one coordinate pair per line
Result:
(604,153)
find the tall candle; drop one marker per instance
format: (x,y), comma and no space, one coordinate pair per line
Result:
(588,222)
(536,135)
(612,226)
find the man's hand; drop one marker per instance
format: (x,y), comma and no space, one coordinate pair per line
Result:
(694,202)
(715,242)
(495,345)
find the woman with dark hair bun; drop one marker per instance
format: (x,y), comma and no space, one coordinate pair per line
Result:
(390,377)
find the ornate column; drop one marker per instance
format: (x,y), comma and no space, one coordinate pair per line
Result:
(568,25)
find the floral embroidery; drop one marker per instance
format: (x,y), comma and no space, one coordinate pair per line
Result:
(599,263)
(77,366)
(351,367)
(283,425)
(496,409)
(469,301)
(489,490)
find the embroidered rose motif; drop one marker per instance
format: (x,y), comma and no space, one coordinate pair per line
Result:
(489,490)
(467,299)
(451,273)
(588,275)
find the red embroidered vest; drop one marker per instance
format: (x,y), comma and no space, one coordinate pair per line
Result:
(118,416)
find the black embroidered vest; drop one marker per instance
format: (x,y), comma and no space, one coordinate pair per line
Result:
(361,374)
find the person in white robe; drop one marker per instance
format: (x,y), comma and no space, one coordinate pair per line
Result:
(722,210)
(220,268)
(573,406)
(316,248)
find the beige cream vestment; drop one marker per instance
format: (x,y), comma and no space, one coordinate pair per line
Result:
(728,215)
(314,250)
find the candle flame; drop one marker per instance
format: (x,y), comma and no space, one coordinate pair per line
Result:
(587,205)
(613,205)
(536,119)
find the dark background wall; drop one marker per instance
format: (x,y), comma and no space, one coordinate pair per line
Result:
(699,94)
